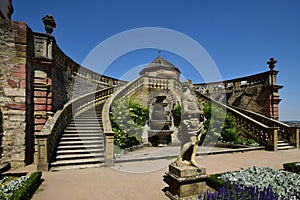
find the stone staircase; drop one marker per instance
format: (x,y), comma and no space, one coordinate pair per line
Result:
(282,145)
(82,143)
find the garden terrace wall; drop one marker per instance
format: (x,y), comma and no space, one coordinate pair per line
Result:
(258,92)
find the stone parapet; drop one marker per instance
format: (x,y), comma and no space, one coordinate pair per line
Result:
(258,92)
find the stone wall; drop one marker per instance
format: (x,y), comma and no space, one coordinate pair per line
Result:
(15,101)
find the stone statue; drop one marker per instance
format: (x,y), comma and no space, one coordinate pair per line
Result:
(49,23)
(192,126)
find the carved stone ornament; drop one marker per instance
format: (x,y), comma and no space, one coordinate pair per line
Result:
(49,23)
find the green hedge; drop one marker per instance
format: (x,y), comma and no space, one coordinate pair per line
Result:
(29,187)
(214,182)
(292,167)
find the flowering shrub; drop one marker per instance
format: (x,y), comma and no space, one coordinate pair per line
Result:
(17,188)
(285,184)
(128,119)
(8,189)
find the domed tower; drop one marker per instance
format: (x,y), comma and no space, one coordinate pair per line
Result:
(161,68)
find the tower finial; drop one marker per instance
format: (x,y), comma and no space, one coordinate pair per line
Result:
(272,63)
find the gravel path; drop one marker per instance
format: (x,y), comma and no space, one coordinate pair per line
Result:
(144,179)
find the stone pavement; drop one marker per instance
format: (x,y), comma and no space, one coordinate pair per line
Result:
(144,179)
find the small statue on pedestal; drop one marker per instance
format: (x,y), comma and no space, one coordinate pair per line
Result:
(192,126)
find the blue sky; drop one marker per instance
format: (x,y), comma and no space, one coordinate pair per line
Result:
(240,36)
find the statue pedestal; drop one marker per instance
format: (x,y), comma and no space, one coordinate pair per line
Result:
(185,182)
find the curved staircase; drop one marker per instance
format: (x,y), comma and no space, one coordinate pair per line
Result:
(82,143)
(271,133)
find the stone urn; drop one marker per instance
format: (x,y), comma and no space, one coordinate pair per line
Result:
(49,23)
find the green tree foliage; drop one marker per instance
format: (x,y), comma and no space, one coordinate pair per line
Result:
(127,119)
(222,124)
(177,114)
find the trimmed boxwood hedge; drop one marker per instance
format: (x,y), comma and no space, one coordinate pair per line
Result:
(29,187)
(292,167)
(214,182)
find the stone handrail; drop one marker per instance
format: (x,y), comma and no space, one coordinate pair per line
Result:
(266,78)
(46,48)
(47,139)
(285,132)
(125,91)
(266,135)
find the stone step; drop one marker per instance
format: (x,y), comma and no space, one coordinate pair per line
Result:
(81,142)
(87,120)
(84,128)
(81,146)
(82,135)
(82,166)
(283,144)
(286,147)
(79,156)
(82,138)
(75,124)
(87,117)
(281,141)
(78,162)
(79,151)
(79,127)
(83,131)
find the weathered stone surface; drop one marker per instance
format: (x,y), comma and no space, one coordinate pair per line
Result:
(185,182)
(17,118)
(186,170)
(14,92)
(13,65)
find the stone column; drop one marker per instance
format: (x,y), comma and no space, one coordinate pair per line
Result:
(109,148)
(42,152)
(273,140)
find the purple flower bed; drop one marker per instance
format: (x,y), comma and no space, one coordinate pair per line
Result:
(255,183)
(240,192)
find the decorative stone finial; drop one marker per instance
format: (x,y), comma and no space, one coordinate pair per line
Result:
(49,23)
(272,63)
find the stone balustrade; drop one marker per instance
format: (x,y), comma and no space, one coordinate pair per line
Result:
(46,49)
(285,132)
(266,135)
(48,138)
(266,78)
